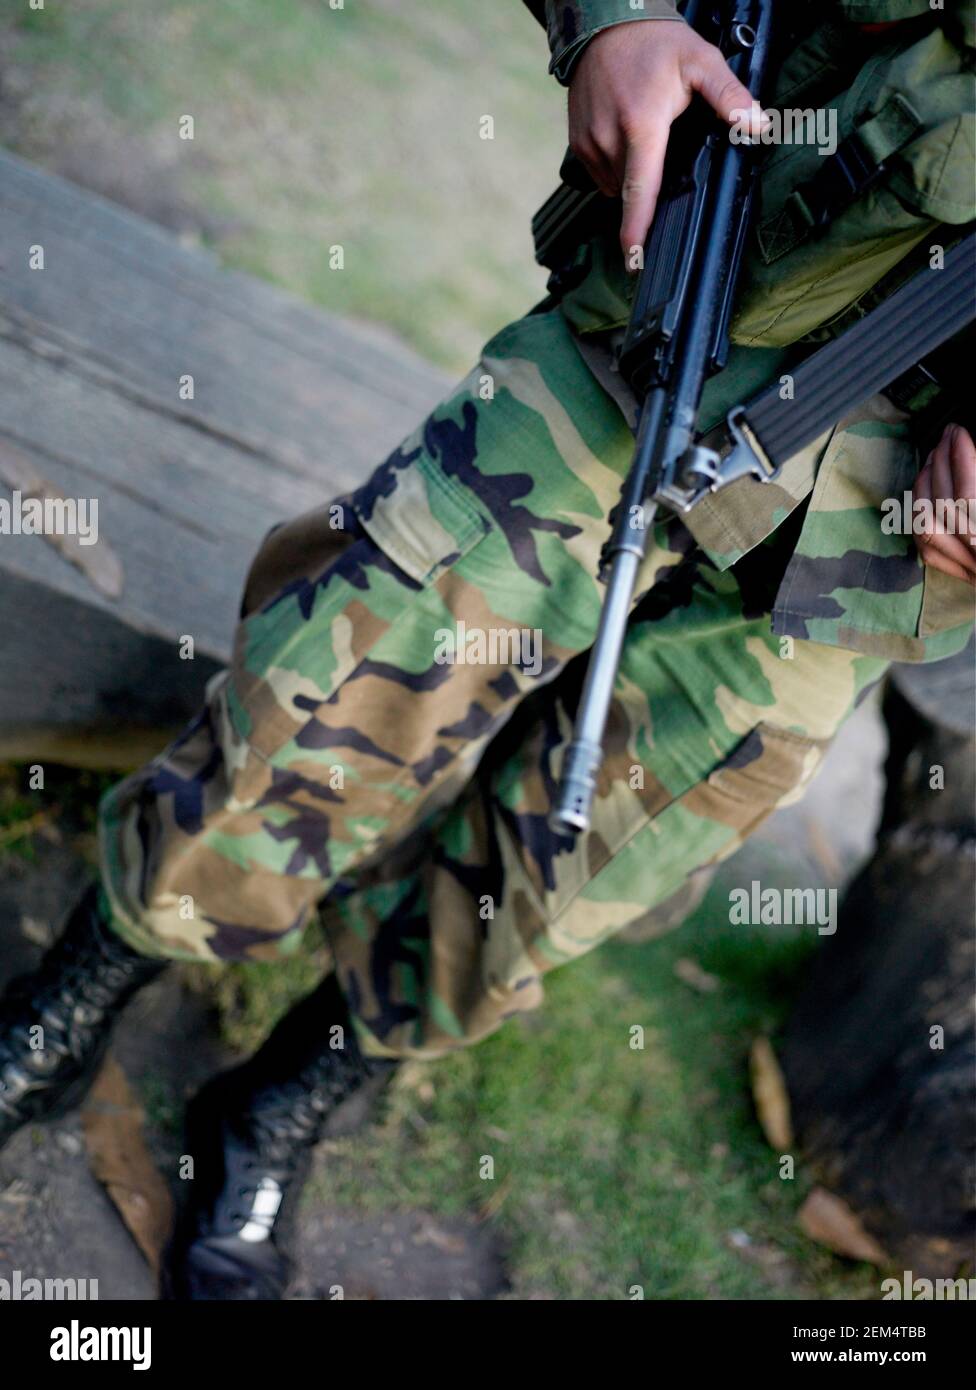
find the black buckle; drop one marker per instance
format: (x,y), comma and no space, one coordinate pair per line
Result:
(906,390)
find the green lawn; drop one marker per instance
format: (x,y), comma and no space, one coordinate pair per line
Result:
(614,1167)
(359,128)
(315,128)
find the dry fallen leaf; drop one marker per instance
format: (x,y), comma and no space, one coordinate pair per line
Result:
(431,1234)
(829,1221)
(767,1257)
(493,1205)
(689,972)
(770,1096)
(112,1120)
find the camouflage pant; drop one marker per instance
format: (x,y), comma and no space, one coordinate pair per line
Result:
(387,740)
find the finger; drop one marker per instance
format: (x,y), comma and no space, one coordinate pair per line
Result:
(936,560)
(923,518)
(614,150)
(604,176)
(607,153)
(949,519)
(709,74)
(946,553)
(942,441)
(942,486)
(931,542)
(922,526)
(595,162)
(962,464)
(643,171)
(950,548)
(922,492)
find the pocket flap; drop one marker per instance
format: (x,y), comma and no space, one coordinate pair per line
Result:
(417,516)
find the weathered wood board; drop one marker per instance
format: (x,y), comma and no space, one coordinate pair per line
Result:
(290,407)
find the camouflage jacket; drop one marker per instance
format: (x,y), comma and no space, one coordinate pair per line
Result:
(570,24)
(849,584)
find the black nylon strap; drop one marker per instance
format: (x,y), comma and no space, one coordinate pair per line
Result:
(927,311)
(855,166)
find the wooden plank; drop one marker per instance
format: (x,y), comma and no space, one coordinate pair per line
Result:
(292,406)
(265,365)
(183,509)
(72,674)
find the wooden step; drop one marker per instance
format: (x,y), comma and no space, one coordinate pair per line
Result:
(291,406)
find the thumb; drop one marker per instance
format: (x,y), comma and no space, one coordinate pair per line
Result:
(711,76)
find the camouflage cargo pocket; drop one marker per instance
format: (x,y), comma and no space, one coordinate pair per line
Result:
(856,579)
(327,588)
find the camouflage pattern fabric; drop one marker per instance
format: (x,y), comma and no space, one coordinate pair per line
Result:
(849,583)
(570,24)
(343,760)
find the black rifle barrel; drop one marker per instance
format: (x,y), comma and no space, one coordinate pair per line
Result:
(668,417)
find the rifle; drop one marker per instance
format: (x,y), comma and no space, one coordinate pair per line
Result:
(677,337)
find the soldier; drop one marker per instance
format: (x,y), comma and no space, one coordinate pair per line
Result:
(350,760)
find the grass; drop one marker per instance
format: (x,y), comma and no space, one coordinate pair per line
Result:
(18,815)
(67,800)
(612,1167)
(252,996)
(357,128)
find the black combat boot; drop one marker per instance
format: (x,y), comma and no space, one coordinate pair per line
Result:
(250,1133)
(75,996)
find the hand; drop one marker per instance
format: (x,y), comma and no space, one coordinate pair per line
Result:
(949,475)
(632,81)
